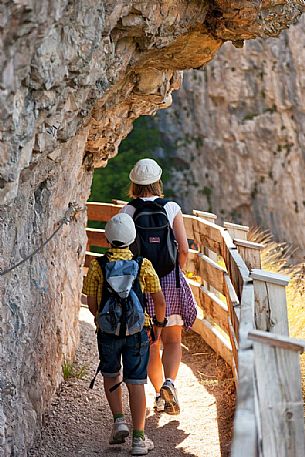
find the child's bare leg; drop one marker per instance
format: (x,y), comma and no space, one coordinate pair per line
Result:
(114,398)
(137,403)
(155,369)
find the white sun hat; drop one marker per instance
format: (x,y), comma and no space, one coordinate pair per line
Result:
(121,228)
(145,171)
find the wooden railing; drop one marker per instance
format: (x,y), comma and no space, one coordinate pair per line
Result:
(244,319)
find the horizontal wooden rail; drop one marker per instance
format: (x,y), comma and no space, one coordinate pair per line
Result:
(208,235)
(102,212)
(96,237)
(214,308)
(192,261)
(212,273)
(236,230)
(89,256)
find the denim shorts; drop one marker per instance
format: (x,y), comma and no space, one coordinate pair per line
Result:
(131,351)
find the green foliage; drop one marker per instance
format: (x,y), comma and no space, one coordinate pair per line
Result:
(70,370)
(113,181)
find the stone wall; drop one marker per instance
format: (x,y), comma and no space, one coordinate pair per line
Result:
(236,136)
(74,76)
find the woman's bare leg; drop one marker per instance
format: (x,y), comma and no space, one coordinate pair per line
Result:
(155,369)
(172,352)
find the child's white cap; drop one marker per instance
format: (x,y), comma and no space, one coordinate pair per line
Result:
(145,171)
(120,228)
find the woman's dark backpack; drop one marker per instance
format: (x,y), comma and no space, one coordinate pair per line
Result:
(155,238)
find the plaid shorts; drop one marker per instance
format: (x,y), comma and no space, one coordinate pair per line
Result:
(178,300)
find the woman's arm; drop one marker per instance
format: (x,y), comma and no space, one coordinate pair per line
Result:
(180,235)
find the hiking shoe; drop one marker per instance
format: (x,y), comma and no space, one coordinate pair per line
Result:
(159,404)
(169,394)
(120,431)
(140,446)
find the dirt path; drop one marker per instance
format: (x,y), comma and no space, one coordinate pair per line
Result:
(79,421)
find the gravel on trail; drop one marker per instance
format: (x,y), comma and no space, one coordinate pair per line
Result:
(79,421)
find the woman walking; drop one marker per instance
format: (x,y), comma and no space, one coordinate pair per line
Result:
(181,310)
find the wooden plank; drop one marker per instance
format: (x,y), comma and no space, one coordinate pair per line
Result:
(274,278)
(214,338)
(281,406)
(89,256)
(188,224)
(235,372)
(250,252)
(192,265)
(247,323)
(205,215)
(270,302)
(119,202)
(228,239)
(212,273)
(279,341)
(102,212)
(96,237)
(233,305)
(245,443)
(236,230)
(236,267)
(214,308)
(195,286)
(207,235)
(248,244)
(234,342)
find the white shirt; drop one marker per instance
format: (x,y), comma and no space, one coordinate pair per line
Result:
(171,208)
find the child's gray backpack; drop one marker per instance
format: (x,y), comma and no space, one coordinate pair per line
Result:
(121,311)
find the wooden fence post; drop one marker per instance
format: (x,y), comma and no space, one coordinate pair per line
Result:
(278,379)
(250,252)
(270,301)
(237,231)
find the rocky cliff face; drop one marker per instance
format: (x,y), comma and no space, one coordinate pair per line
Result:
(74,76)
(236,131)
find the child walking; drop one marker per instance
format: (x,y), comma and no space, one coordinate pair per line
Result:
(181,310)
(114,287)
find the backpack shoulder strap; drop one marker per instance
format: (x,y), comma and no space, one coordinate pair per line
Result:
(137,203)
(102,261)
(162,201)
(136,285)
(139,261)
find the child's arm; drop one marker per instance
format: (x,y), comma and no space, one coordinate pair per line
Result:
(92,304)
(91,285)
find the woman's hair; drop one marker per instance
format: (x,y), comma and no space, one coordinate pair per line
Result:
(139,190)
